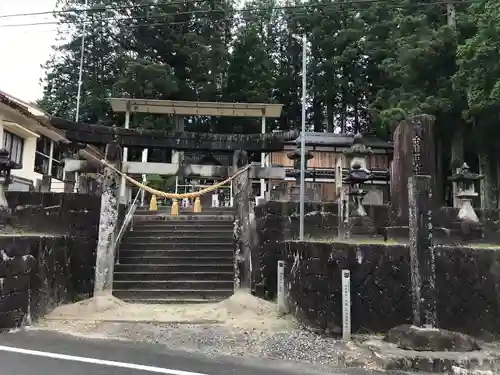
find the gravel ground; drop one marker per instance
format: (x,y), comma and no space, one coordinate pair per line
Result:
(216,340)
(248,326)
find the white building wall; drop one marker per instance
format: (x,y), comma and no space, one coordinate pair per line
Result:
(28,158)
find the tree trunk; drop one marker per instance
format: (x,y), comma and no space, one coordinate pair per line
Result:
(457,157)
(439,169)
(485,191)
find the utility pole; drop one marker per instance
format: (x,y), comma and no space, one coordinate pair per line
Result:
(303,39)
(82,54)
(457,147)
(303,140)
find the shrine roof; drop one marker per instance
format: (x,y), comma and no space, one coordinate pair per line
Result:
(189,108)
(340,140)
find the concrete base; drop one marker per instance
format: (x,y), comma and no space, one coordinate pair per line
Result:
(362,226)
(430,339)
(389,357)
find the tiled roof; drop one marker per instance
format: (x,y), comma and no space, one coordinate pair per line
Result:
(32,112)
(332,139)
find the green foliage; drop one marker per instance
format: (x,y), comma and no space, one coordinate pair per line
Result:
(370,65)
(162,183)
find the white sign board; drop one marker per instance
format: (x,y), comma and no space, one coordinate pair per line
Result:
(338,174)
(281,288)
(346,305)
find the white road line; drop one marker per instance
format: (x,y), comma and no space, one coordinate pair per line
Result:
(65,357)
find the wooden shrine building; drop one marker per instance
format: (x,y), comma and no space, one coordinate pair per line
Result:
(326,148)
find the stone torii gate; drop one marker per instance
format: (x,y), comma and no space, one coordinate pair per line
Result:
(179,109)
(178,142)
(116,140)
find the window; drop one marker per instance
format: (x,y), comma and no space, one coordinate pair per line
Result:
(15,145)
(42,158)
(41,163)
(57,169)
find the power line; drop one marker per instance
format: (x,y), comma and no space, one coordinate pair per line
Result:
(98,9)
(388,4)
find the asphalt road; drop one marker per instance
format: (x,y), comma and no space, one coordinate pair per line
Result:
(30,352)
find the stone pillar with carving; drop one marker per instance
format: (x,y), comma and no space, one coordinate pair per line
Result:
(242,187)
(402,164)
(422,254)
(108,220)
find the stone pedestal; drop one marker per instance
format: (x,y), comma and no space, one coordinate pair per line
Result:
(360,224)
(6,165)
(69,182)
(294,194)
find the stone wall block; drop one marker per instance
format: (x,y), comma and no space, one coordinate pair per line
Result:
(14,284)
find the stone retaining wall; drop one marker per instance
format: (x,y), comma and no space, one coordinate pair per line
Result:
(468,284)
(51,258)
(42,272)
(73,214)
(278,221)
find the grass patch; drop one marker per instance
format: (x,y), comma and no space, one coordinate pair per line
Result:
(357,241)
(391,242)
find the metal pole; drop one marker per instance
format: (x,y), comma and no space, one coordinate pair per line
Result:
(263,157)
(303,139)
(123,185)
(144,159)
(281,288)
(346,305)
(80,74)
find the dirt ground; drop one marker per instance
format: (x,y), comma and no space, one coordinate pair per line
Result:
(244,325)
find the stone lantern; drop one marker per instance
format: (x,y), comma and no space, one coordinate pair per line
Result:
(358,173)
(295,156)
(6,165)
(465,182)
(357,176)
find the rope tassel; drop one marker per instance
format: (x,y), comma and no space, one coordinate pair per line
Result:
(197,205)
(175,207)
(153,204)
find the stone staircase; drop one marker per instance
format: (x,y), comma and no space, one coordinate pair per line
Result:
(183,259)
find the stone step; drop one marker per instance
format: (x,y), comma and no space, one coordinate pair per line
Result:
(178,253)
(173,276)
(176,236)
(160,224)
(182,231)
(191,244)
(178,268)
(204,294)
(173,284)
(182,211)
(191,217)
(158,260)
(175,301)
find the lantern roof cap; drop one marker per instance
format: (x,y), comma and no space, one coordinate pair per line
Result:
(464,174)
(358,147)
